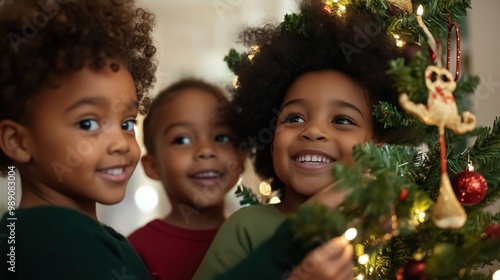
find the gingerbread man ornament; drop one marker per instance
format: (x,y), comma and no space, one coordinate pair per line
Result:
(441,111)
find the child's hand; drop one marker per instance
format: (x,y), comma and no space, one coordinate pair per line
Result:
(332,260)
(328,196)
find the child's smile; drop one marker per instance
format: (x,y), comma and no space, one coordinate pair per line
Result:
(82,140)
(323,115)
(194,153)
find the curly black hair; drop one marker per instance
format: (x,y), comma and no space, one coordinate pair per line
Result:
(352,43)
(41,40)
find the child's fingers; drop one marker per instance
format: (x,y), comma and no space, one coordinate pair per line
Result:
(332,260)
(328,196)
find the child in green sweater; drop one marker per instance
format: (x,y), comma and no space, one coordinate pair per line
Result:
(301,104)
(74,75)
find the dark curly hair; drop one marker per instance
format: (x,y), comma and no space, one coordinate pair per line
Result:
(167,94)
(352,43)
(42,40)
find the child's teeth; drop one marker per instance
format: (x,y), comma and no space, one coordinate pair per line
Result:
(115,171)
(210,174)
(313,159)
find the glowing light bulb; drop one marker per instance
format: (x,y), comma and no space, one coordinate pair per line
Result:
(421,217)
(236,83)
(420,10)
(350,234)
(274,200)
(146,198)
(363,259)
(265,188)
(496,275)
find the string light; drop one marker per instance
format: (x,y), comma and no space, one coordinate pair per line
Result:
(252,51)
(274,200)
(236,83)
(496,275)
(265,188)
(399,41)
(350,234)
(341,10)
(363,259)
(360,277)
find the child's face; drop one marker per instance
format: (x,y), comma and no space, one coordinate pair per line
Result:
(82,135)
(323,115)
(195,159)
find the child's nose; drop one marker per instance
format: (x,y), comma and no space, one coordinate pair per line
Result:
(119,142)
(314,131)
(205,150)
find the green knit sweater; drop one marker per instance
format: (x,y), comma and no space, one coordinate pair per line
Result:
(58,243)
(241,235)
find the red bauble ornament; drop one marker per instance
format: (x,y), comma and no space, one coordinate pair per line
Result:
(410,49)
(403,194)
(413,270)
(493,231)
(469,186)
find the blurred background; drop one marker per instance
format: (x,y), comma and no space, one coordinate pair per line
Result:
(193,36)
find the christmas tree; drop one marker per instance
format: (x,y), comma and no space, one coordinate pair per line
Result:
(415,211)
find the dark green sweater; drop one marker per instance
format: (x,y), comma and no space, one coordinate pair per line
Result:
(60,243)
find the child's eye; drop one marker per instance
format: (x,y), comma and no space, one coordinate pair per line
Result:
(294,118)
(89,125)
(183,140)
(223,138)
(129,125)
(342,120)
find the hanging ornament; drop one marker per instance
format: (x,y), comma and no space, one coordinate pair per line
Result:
(493,231)
(441,111)
(403,194)
(410,49)
(396,6)
(469,186)
(451,25)
(413,270)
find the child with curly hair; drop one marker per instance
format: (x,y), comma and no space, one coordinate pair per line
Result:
(301,104)
(191,150)
(75,74)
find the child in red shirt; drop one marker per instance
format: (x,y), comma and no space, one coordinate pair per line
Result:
(191,151)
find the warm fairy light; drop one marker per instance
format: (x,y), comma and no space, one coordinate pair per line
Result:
(399,42)
(421,217)
(335,1)
(265,188)
(253,50)
(274,200)
(146,198)
(236,84)
(420,10)
(363,259)
(360,277)
(496,275)
(350,234)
